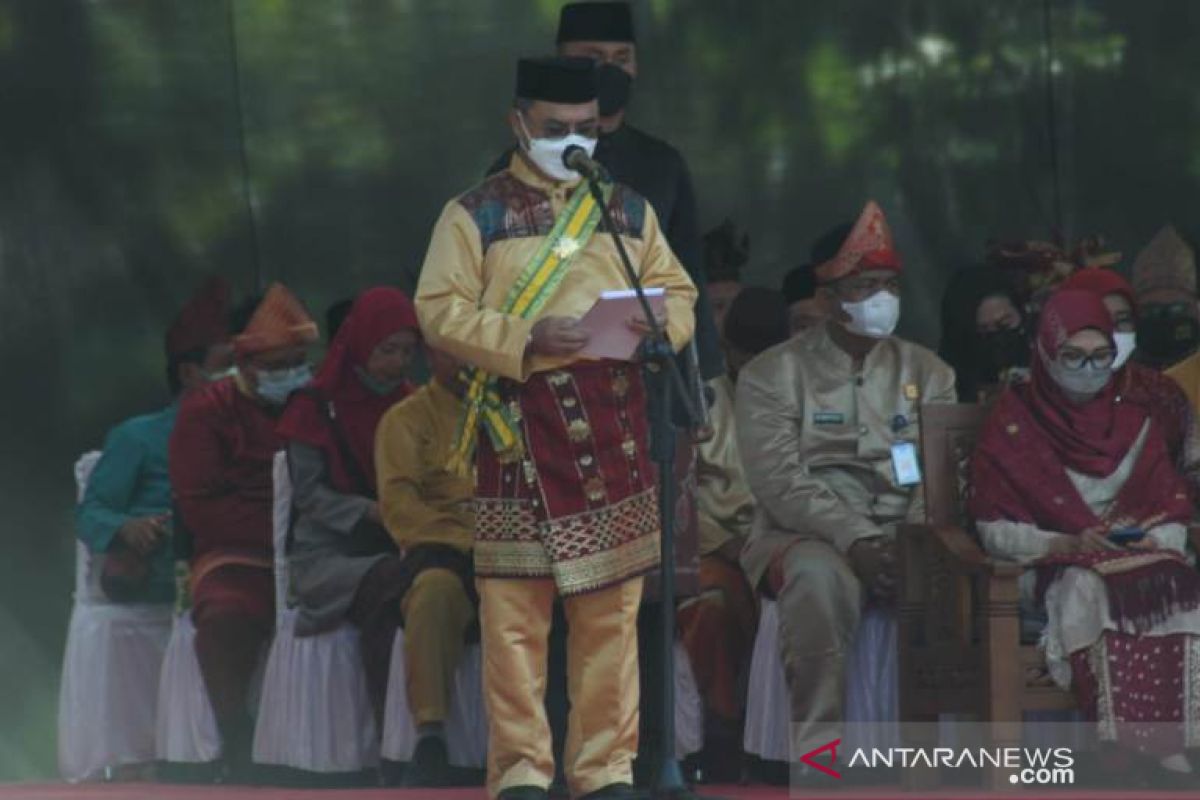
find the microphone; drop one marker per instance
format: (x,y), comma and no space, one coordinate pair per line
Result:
(577,159)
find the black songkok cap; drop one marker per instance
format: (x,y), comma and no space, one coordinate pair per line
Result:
(556,79)
(800,284)
(595,22)
(757,319)
(726,251)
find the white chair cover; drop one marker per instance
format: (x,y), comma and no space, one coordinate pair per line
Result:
(768,704)
(107,703)
(187,729)
(872,684)
(466,726)
(689,707)
(314,713)
(113,653)
(871,687)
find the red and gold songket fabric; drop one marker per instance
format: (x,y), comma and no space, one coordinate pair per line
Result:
(580,505)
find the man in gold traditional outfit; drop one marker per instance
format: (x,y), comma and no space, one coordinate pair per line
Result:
(827,427)
(565,490)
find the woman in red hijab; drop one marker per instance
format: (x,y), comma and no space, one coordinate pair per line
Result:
(1138,383)
(337,535)
(1079,485)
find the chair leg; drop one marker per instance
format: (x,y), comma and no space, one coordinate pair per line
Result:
(1004,681)
(920,730)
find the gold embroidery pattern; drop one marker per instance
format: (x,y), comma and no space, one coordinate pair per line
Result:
(1191,690)
(583,552)
(578,431)
(620,383)
(594,489)
(573,413)
(600,570)
(512,560)
(595,531)
(594,549)
(505,521)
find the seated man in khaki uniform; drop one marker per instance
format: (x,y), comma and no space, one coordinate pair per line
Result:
(827,429)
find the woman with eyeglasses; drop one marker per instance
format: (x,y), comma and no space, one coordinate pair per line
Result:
(1079,486)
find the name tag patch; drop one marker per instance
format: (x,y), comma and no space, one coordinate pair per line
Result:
(829,418)
(904,464)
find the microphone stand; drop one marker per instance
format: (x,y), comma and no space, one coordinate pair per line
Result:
(664,379)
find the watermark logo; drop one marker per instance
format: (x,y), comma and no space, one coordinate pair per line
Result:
(809,758)
(1029,766)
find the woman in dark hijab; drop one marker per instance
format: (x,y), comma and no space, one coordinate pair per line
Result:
(983,333)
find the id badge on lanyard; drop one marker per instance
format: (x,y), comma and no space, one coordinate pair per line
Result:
(905,464)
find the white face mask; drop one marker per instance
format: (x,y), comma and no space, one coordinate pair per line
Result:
(547,154)
(1126,344)
(875,317)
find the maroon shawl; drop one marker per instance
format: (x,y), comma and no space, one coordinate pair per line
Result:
(1034,434)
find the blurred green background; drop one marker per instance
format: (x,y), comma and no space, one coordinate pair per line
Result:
(124,183)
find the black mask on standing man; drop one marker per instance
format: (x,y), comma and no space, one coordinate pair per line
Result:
(613,86)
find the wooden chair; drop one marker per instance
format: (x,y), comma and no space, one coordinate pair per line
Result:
(959,628)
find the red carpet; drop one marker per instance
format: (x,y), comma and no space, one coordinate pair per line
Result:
(152,791)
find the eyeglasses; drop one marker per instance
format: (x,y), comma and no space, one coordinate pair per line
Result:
(862,286)
(1074,359)
(555,129)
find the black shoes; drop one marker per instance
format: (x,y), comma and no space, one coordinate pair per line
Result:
(430,766)
(615,791)
(523,793)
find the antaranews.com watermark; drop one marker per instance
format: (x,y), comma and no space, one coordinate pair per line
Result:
(951,753)
(1029,766)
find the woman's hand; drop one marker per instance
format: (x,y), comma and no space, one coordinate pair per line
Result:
(1089,541)
(1145,543)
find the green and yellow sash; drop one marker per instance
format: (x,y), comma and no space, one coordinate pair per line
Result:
(536,285)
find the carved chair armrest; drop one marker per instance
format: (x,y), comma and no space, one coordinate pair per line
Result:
(965,554)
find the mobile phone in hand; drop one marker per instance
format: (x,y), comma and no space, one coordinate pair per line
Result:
(1127,536)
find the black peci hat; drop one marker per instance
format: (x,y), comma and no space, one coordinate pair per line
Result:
(556,79)
(595,22)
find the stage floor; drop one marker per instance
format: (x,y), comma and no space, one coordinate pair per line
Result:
(154,791)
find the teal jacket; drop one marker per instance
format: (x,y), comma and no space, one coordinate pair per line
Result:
(130,480)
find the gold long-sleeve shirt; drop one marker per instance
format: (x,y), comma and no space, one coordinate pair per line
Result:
(484,240)
(421,502)
(816,435)
(724,504)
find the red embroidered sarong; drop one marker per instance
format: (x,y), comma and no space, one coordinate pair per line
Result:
(581,505)
(1140,690)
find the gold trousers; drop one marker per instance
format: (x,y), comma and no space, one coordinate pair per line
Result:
(436,612)
(819,605)
(602,683)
